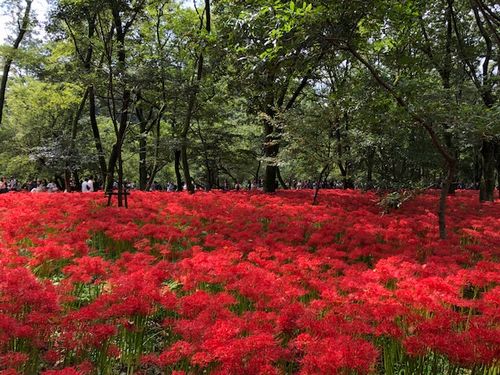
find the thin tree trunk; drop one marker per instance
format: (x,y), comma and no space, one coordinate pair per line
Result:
(318,183)
(155,168)
(185,168)
(8,62)
(116,152)
(177,167)
(143,168)
(258,171)
(97,136)
(497,153)
(74,130)
(120,180)
(487,189)
(369,167)
(280,179)
(271,149)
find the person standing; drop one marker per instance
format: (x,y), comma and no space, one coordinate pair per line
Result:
(90,185)
(85,186)
(3,185)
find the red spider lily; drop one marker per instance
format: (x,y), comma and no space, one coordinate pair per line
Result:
(244,283)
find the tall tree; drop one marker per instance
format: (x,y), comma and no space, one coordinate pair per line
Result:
(275,54)
(124,14)
(205,29)
(482,66)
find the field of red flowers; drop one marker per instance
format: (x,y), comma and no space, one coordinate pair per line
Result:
(245,283)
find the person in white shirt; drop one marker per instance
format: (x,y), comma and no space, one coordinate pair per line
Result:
(85,187)
(90,185)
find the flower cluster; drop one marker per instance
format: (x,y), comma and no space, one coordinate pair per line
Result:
(246,283)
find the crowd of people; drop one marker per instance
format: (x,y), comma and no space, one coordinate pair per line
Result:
(89,185)
(41,185)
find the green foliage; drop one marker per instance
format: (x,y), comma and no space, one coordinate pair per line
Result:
(255,57)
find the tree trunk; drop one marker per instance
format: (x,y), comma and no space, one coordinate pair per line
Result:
(185,169)
(477,169)
(271,149)
(143,168)
(318,183)
(8,61)
(192,101)
(74,130)
(97,136)
(497,154)
(370,158)
(487,189)
(120,179)
(3,87)
(257,172)
(155,169)
(120,137)
(449,145)
(280,179)
(270,178)
(177,168)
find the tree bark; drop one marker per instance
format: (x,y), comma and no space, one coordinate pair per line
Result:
(177,168)
(487,189)
(271,149)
